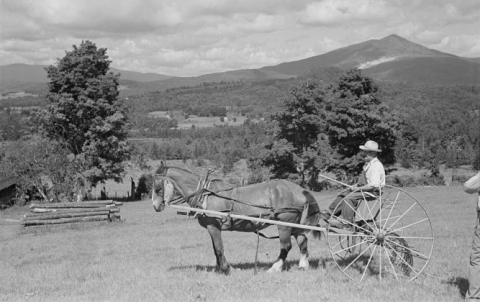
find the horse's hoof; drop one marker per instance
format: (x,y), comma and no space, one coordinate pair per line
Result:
(225,271)
(271,271)
(274,269)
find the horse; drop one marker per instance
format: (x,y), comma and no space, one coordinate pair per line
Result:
(275,199)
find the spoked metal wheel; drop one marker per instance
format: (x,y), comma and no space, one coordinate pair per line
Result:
(391,237)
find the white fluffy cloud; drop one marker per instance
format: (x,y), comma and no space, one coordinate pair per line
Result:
(194,37)
(338,12)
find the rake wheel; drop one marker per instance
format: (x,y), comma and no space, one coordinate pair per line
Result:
(390,237)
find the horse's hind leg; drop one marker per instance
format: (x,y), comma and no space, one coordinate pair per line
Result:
(215,230)
(285,247)
(303,246)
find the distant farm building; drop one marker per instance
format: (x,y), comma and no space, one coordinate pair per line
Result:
(7,191)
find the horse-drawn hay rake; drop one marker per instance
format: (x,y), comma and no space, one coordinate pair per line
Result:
(391,236)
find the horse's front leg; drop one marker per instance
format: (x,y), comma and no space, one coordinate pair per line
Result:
(303,246)
(285,246)
(215,230)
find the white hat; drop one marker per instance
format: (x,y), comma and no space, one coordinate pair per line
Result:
(370,146)
(472,185)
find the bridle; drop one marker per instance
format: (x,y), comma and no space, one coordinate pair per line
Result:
(180,195)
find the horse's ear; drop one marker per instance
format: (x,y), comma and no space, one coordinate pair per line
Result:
(161,168)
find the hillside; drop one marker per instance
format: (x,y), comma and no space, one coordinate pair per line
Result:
(392,58)
(360,55)
(16,77)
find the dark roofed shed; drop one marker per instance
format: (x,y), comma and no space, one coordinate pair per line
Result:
(7,191)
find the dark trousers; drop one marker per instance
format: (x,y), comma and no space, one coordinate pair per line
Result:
(346,207)
(473,292)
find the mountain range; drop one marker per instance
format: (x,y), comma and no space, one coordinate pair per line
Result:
(392,58)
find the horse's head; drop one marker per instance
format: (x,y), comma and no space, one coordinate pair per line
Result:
(162,194)
(163,190)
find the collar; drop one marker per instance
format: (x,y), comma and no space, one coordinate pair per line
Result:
(367,165)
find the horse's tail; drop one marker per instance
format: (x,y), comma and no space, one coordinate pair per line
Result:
(313,214)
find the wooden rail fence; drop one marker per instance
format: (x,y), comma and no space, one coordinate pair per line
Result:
(69,212)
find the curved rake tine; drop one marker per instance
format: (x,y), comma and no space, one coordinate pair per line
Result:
(391,264)
(407,248)
(357,226)
(359,255)
(339,243)
(368,263)
(352,224)
(413,269)
(345,238)
(352,246)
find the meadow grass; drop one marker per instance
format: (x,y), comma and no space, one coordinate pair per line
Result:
(153,256)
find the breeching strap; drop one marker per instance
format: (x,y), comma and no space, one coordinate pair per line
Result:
(256,253)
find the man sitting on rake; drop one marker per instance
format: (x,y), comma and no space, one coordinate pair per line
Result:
(369,182)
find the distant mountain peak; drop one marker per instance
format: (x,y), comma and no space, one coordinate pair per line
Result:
(362,55)
(395,37)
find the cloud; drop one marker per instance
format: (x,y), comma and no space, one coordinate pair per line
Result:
(338,12)
(429,37)
(463,45)
(194,37)
(376,62)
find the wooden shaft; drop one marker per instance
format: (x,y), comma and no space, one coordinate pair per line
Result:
(275,222)
(334,180)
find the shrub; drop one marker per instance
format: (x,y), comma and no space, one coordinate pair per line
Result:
(411,181)
(401,181)
(256,177)
(144,186)
(476,162)
(431,180)
(460,179)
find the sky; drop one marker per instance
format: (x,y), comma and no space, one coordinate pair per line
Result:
(196,37)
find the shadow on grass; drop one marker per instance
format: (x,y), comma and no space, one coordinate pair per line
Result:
(289,265)
(461,283)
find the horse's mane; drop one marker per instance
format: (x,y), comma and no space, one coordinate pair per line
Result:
(217,182)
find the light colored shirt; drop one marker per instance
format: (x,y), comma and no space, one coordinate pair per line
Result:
(375,173)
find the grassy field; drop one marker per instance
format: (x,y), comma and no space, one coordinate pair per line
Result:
(153,256)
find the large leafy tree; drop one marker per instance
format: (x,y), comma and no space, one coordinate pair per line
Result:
(321,128)
(296,148)
(355,115)
(85,113)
